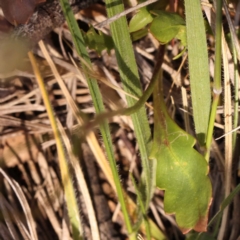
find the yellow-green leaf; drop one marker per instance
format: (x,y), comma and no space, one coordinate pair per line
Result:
(181,171)
(167,26)
(140,20)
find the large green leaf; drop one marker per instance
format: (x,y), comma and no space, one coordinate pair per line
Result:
(181,170)
(167,26)
(144,16)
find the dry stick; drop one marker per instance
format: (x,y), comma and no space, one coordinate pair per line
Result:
(124,13)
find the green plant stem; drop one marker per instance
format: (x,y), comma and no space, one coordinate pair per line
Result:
(218,45)
(226,202)
(131,84)
(217,88)
(142,207)
(236,84)
(211,124)
(98,104)
(100,118)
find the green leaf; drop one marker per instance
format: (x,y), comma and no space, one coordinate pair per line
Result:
(198,68)
(181,35)
(98,41)
(139,34)
(181,171)
(140,20)
(167,26)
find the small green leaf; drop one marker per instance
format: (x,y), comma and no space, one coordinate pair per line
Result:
(181,171)
(140,20)
(98,41)
(139,34)
(181,35)
(167,26)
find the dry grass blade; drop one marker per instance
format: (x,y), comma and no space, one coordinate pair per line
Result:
(232,29)
(18,109)
(70,196)
(8,218)
(91,138)
(227,128)
(23,201)
(81,183)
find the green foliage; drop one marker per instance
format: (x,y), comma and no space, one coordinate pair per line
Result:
(131,83)
(167,26)
(98,104)
(173,148)
(98,41)
(163,25)
(181,171)
(140,20)
(198,68)
(144,16)
(139,34)
(216,219)
(224,204)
